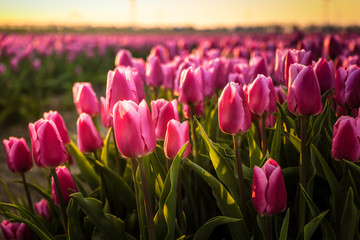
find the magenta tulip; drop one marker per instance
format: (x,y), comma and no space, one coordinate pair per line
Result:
(89,139)
(42,208)
(168,70)
(304,96)
(18,156)
(295,56)
(106,118)
(218,72)
(268,189)
(257,66)
(60,125)
(346,139)
(154,72)
(134,129)
(17,231)
(325,74)
(162,112)
(66,182)
(190,89)
(234,112)
(177,134)
(123,58)
(47,146)
(280,94)
(160,52)
(85,99)
(205,77)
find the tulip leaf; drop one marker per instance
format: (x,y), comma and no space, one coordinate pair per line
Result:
(310,227)
(276,142)
(289,122)
(295,141)
(317,127)
(285,226)
(224,200)
(105,150)
(12,198)
(74,223)
(349,220)
(205,230)
(353,165)
(255,153)
(222,168)
(87,171)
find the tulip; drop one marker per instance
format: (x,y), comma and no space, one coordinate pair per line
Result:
(42,208)
(60,125)
(257,66)
(205,77)
(177,134)
(332,46)
(352,89)
(18,156)
(66,182)
(89,139)
(154,72)
(106,118)
(169,75)
(325,74)
(160,52)
(85,99)
(47,146)
(218,72)
(139,64)
(346,139)
(304,96)
(268,189)
(234,112)
(16,230)
(190,89)
(162,112)
(280,94)
(295,56)
(123,58)
(343,88)
(182,67)
(134,129)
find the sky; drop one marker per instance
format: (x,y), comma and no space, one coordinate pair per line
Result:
(184,13)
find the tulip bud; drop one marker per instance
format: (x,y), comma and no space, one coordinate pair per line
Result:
(106,118)
(169,75)
(60,125)
(206,80)
(47,146)
(85,99)
(325,74)
(346,139)
(162,112)
(280,94)
(123,58)
(190,89)
(257,66)
(304,96)
(18,156)
(352,89)
(218,73)
(134,129)
(234,112)
(66,181)
(268,189)
(89,139)
(14,230)
(42,208)
(159,51)
(154,72)
(177,134)
(295,56)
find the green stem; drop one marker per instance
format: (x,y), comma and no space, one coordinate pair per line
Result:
(61,200)
(192,135)
(168,164)
(28,196)
(344,185)
(269,228)
(179,208)
(119,165)
(147,201)
(303,177)
(263,134)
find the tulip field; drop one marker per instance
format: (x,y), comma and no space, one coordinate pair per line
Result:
(194,136)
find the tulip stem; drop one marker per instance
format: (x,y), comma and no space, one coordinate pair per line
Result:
(28,196)
(119,165)
(168,164)
(179,208)
(61,200)
(268,227)
(236,139)
(263,134)
(147,201)
(344,185)
(192,135)
(303,178)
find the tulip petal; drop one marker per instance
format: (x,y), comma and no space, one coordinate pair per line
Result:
(147,128)
(276,193)
(259,186)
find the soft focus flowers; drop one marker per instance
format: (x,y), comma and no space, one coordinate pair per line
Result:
(42,208)
(198,110)
(154,72)
(177,134)
(60,125)
(85,99)
(134,129)
(268,189)
(18,156)
(190,89)
(123,58)
(89,139)
(18,231)
(66,181)
(162,111)
(324,71)
(47,146)
(346,139)
(347,87)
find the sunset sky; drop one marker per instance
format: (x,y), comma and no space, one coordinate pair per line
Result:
(170,13)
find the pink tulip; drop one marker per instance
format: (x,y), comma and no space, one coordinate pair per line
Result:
(169,75)
(18,156)
(14,230)
(218,73)
(190,89)
(60,125)
(66,182)
(162,112)
(139,64)
(268,189)
(160,52)
(177,134)
(205,77)
(257,66)
(47,146)
(134,129)
(234,112)
(89,139)
(123,58)
(42,208)
(280,94)
(85,99)
(106,118)
(295,56)
(325,74)
(154,72)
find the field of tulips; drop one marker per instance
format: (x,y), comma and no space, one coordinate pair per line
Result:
(206,137)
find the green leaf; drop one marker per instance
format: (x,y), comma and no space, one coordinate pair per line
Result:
(105,150)
(224,200)
(12,198)
(205,230)
(353,165)
(255,154)
(87,171)
(74,223)
(349,220)
(295,141)
(310,228)
(285,226)
(289,122)
(276,143)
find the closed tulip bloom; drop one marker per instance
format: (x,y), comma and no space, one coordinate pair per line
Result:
(154,72)
(106,118)
(160,52)
(295,56)
(280,94)
(218,72)
(325,74)
(234,112)
(60,125)
(205,77)
(42,208)
(162,111)
(123,58)
(85,99)
(346,139)
(268,189)
(66,181)
(261,95)
(89,139)
(177,134)
(304,96)
(134,129)
(139,64)
(133,75)
(47,146)
(18,156)
(257,66)
(169,75)
(352,89)
(18,231)
(190,89)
